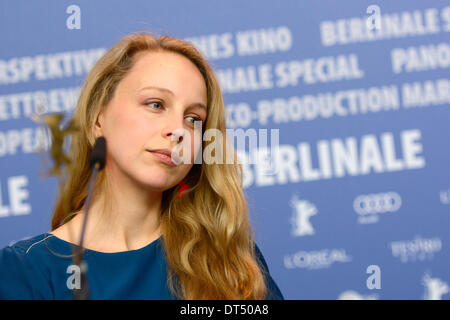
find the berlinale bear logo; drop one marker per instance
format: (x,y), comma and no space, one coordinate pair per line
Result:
(435,288)
(303,210)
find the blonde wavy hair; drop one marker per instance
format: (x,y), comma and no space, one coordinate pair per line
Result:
(207,237)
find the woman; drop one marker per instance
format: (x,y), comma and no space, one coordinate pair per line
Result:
(147,237)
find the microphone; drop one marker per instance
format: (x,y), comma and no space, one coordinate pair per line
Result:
(98,154)
(97,163)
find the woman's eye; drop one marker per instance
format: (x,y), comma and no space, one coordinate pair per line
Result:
(193,119)
(154,103)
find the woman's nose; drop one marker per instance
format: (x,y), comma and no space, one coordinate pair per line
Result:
(174,128)
(177,135)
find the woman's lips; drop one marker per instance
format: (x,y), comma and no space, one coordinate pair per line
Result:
(163,158)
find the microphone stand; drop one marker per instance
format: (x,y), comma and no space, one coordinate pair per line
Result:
(97,161)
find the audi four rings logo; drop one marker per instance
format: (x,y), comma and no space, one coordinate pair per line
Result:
(377,203)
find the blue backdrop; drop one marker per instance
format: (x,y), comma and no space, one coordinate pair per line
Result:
(358,205)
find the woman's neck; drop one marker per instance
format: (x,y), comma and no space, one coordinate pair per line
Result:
(120,222)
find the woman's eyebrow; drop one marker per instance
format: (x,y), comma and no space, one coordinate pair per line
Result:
(159,89)
(197,104)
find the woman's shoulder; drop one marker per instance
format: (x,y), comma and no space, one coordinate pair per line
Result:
(36,253)
(19,272)
(22,247)
(20,250)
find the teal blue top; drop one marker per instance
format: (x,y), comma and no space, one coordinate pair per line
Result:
(34,269)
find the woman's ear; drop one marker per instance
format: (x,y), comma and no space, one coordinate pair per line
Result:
(98,132)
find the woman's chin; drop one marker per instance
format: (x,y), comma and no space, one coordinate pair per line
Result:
(159,185)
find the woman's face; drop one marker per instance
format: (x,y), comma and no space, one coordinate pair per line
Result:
(163,93)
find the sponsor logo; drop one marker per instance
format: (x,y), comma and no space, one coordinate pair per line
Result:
(303,210)
(419,249)
(370,206)
(315,259)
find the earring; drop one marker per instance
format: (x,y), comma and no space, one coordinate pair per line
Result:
(182,187)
